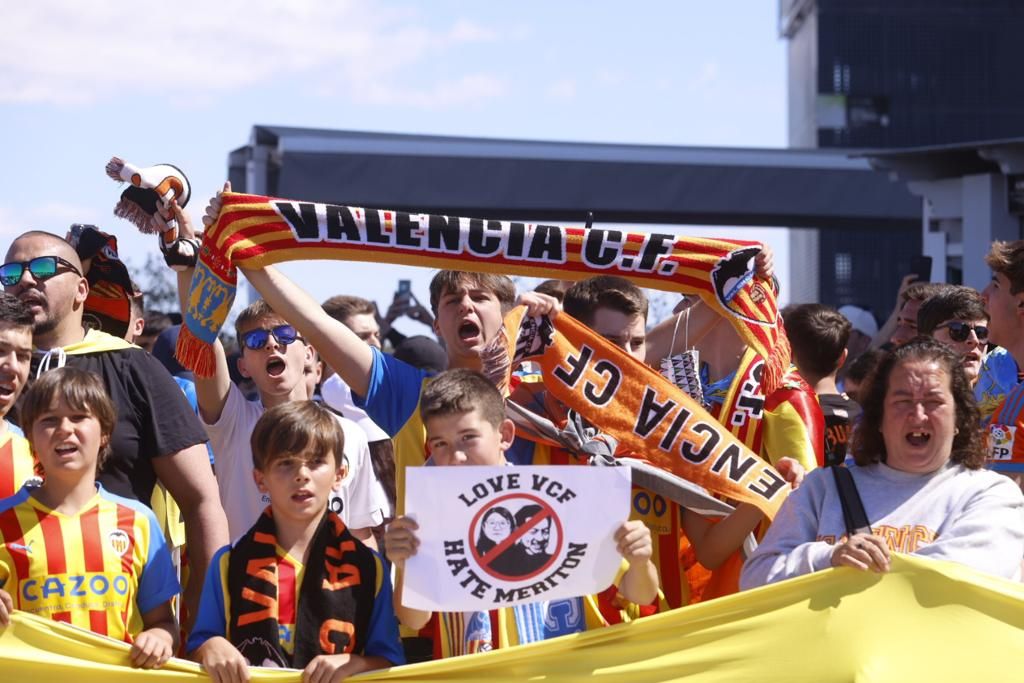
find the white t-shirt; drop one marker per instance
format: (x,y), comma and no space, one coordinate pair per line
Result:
(360,496)
(338,395)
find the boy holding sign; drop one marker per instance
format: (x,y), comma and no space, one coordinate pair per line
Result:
(465,421)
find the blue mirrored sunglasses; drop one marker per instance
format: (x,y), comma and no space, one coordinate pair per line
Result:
(257,339)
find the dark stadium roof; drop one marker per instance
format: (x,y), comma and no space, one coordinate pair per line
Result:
(532,180)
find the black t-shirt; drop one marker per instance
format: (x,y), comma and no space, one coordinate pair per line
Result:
(153,418)
(841,413)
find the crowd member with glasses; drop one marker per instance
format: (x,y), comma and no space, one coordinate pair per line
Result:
(956,317)
(156,436)
(275,357)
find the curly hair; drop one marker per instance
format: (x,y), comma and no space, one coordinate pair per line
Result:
(968,446)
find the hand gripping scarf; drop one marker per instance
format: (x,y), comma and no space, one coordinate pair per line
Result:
(335,598)
(254,231)
(649,416)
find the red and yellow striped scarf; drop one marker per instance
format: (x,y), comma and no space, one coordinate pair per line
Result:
(254,231)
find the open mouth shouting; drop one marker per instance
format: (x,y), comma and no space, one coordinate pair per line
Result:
(275,366)
(918,439)
(470,333)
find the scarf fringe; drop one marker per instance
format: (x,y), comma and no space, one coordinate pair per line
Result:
(133,213)
(114,168)
(776,364)
(195,354)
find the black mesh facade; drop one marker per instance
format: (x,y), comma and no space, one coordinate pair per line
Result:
(873,74)
(922,72)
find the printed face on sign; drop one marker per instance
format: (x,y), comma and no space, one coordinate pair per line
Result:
(516,537)
(504,536)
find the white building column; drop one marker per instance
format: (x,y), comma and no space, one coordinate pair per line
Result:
(985,219)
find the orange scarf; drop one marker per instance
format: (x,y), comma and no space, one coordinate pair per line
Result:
(650,416)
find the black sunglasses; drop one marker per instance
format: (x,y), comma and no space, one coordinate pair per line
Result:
(41,267)
(255,340)
(959,331)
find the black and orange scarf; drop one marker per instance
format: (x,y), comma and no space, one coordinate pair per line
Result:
(336,595)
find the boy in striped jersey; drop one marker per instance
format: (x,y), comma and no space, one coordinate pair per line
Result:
(70,550)
(16,462)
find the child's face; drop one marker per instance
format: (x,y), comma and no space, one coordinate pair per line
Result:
(67,440)
(277,369)
(299,485)
(15,358)
(468,439)
(467,319)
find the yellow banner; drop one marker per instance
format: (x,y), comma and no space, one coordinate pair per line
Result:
(923,621)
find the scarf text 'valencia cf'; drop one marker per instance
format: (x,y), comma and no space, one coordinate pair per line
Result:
(254,231)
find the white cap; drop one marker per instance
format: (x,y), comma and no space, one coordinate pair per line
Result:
(862,321)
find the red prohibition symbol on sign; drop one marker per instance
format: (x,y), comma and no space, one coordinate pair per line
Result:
(515,537)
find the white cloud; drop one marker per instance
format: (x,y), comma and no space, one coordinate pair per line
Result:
(65,52)
(466,31)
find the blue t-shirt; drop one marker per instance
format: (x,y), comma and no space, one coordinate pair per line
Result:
(212,619)
(392,401)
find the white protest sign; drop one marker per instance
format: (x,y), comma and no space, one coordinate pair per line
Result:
(500,536)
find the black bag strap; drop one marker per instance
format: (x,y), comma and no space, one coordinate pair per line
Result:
(853,507)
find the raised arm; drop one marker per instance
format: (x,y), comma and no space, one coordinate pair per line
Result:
(338,346)
(211,392)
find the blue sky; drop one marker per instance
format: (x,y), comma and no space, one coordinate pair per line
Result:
(81,82)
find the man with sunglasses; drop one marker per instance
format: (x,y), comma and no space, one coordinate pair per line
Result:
(157,436)
(956,317)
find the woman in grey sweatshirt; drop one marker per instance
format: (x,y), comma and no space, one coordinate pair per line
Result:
(919,458)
